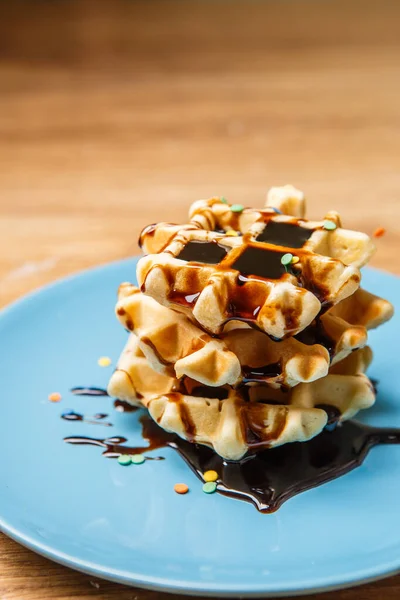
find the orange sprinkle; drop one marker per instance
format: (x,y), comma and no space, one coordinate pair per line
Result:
(379,232)
(55,397)
(181,488)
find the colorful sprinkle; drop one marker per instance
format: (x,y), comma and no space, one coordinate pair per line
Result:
(224,200)
(209,487)
(276,210)
(379,232)
(181,488)
(124,459)
(287,259)
(210,476)
(104,361)
(295,260)
(55,397)
(330,225)
(137,459)
(232,233)
(237,208)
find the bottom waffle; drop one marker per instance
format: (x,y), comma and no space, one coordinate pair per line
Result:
(236,422)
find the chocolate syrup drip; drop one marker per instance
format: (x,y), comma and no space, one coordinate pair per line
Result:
(260,262)
(97,419)
(316,334)
(261,374)
(89,391)
(203,391)
(114,446)
(271,477)
(124,407)
(289,235)
(188,424)
(210,253)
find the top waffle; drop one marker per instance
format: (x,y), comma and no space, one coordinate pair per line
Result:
(227,264)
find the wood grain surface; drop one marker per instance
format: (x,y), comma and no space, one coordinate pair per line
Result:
(117,114)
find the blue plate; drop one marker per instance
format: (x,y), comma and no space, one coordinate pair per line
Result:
(83,510)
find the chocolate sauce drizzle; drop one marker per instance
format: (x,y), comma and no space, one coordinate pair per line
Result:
(115,446)
(271,477)
(97,419)
(124,407)
(89,391)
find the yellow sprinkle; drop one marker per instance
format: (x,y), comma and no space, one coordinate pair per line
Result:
(55,397)
(231,233)
(210,476)
(104,361)
(295,260)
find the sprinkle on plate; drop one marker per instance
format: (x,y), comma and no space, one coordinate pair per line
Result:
(55,397)
(104,361)
(137,459)
(379,232)
(210,487)
(210,475)
(181,488)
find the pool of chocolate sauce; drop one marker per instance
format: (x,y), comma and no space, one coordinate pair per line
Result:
(270,477)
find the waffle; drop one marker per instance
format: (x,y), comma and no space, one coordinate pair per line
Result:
(134,380)
(236,425)
(237,421)
(227,265)
(175,346)
(172,344)
(288,200)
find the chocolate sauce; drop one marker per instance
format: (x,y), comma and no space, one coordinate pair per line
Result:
(269,478)
(210,253)
(124,407)
(261,374)
(89,391)
(289,235)
(316,334)
(261,262)
(97,419)
(204,391)
(115,446)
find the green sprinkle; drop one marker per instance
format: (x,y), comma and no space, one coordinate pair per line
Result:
(330,225)
(287,259)
(124,459)
(209,487)
(224,200)
(138,459)
(238,208)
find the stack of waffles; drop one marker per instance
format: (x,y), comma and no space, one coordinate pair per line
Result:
(249,327)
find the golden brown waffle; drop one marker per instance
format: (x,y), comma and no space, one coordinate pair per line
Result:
(238,424)
(175,346)
(201,268)
(234,422)
(134,379)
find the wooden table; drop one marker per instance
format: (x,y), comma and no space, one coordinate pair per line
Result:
(116,114)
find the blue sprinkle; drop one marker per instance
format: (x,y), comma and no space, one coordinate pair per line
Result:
(276,210)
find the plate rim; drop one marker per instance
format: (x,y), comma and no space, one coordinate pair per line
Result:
(180,586)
